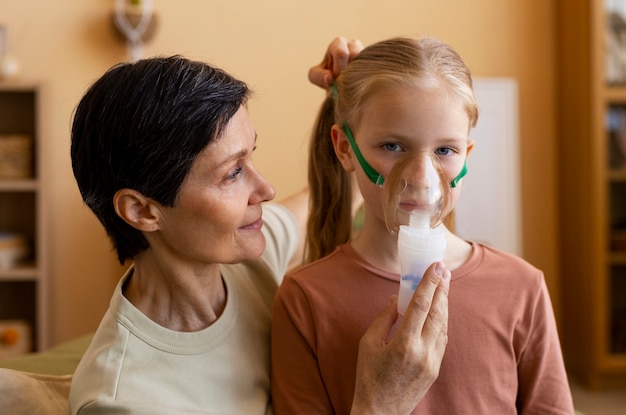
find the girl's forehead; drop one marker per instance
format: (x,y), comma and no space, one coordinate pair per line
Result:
(402,102)
(417,113)
(400,96)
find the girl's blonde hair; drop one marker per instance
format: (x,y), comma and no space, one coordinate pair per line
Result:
(394,63)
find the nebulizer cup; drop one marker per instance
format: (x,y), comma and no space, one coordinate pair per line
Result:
(417,199)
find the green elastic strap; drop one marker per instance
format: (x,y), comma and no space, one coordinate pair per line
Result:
(334,90)
(458,178)
(377,178)
(370,172)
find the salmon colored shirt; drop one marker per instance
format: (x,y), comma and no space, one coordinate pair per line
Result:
(503,354)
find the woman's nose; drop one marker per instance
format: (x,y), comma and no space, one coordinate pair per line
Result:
(263,191)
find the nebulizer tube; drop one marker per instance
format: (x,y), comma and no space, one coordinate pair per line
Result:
(418,197)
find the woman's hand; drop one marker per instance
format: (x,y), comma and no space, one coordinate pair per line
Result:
(394,375)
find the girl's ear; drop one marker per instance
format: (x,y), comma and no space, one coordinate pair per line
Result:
(138,211)
(342,147)
(470,147)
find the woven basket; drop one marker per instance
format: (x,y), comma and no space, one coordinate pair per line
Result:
(16,156)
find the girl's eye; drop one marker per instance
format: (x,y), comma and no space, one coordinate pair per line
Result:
(392,147)
(236,173)
(444,151)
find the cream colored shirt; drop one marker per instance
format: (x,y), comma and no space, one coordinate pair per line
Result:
(135,366)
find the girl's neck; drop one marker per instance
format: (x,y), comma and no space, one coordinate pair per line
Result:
(377,245)
(458,251)
(380,248)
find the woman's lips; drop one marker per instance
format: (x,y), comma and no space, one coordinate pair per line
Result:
(254,226)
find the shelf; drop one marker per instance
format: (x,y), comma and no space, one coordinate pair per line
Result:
(616,363)
(26,272)
(617,258)
(615,94)
(21,185)
(18,86)
(617,175)
(23,288)
(592,121)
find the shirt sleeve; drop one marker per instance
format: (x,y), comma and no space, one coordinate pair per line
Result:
(297,385)
(543,383)
(281,237)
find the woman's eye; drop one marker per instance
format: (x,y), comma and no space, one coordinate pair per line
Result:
(235,173)
(392,147)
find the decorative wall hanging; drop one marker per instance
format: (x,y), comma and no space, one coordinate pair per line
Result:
(9,67)
(135,22)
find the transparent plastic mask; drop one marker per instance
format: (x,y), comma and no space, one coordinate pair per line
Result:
(417,193)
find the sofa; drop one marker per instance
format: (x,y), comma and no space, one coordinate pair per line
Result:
(39,383)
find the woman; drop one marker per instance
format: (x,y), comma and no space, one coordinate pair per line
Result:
(162,154)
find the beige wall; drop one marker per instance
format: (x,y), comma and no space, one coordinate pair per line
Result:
(65,45)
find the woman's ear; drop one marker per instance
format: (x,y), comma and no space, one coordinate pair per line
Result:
(342,147)
(137,210)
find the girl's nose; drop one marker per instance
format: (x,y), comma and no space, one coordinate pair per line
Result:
(420,172)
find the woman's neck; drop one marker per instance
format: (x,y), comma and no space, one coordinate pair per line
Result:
(179,297)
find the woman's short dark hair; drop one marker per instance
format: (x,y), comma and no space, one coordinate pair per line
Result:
(141,126)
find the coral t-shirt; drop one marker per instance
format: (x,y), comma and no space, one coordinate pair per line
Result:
(503,354)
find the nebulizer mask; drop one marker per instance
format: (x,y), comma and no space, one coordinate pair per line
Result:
(417,198)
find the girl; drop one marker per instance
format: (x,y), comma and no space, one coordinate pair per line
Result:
(396,99)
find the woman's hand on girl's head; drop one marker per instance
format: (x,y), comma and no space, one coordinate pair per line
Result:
(339,53)
(394,375)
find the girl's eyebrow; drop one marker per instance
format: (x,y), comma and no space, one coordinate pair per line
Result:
(440,140)
(456,139)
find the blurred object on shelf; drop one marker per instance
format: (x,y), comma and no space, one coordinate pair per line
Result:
(15,338)
(616,128)
(9,66)
(618,330)
(13,249)
(615,58)
(618,240)
(16,156)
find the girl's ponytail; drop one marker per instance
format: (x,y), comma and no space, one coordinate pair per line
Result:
(330,218)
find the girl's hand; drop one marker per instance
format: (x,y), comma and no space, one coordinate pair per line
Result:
(339,53)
